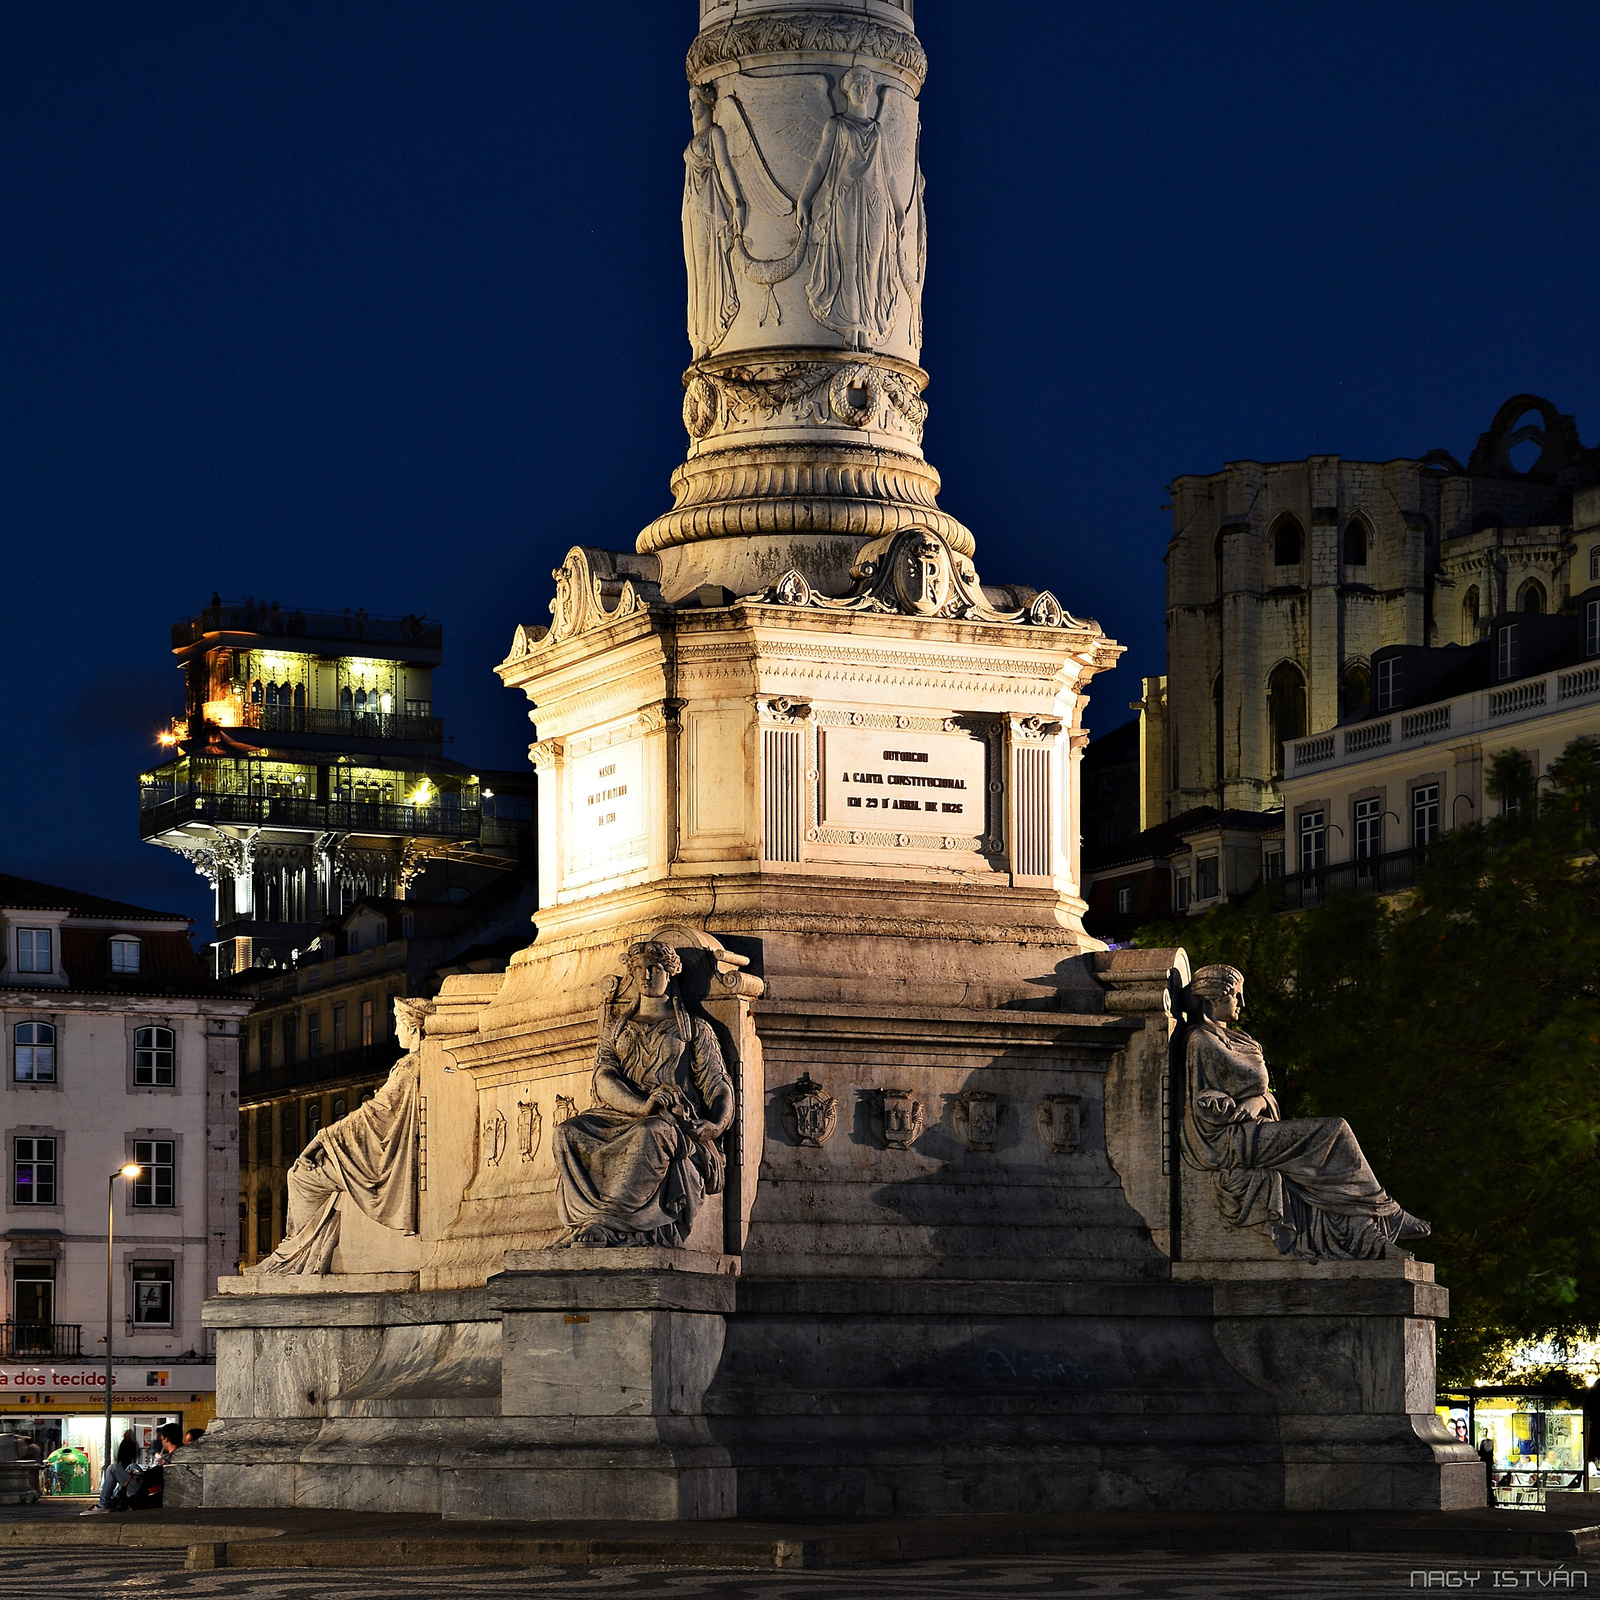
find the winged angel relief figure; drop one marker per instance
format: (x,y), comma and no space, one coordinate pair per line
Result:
(840,188)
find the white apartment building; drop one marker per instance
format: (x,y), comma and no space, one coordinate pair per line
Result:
(1361,802)
(119,1049)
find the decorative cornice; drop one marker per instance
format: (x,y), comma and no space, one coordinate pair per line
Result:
(824,32)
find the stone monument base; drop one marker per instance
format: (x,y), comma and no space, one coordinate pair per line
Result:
(661,1385)
(1346,1349)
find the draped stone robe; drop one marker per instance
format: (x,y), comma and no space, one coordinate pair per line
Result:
(640,1179)
(854,286)
(1305,1183)
(369,1156)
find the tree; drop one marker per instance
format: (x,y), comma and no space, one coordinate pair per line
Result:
(1457,1029)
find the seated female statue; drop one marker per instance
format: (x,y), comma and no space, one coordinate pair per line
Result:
(636,1169)
(1304,1183)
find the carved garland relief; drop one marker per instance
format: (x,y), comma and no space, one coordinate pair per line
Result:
(804,168)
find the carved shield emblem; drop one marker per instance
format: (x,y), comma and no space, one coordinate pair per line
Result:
(529,1127)
(899,1118)
(977,1120)
(494,1139)
(808,1113)
(1060,1116)
(566,1107)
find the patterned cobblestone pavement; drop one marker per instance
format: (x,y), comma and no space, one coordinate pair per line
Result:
(133,1575)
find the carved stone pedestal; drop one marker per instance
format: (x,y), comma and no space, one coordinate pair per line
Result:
(1346,1349)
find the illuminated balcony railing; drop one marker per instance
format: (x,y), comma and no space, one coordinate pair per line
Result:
(355,725)
(352,627)
(345,816)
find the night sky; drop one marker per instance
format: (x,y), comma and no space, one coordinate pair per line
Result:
(381,305)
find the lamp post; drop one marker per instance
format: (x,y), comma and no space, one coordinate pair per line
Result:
(131,1169)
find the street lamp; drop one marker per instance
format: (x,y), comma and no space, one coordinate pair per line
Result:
(129,1170)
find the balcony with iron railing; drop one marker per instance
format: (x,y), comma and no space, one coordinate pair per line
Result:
(342,724)
(1386,874)
(355,628)
(372,1060)
(29,1341)
(159,814)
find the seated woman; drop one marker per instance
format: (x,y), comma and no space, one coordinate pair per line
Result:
(635,1170)
(1305,1184)
(114,1479)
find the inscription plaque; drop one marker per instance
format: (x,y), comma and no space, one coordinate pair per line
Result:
(915,783)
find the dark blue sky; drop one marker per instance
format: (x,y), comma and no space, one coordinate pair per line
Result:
(381,305)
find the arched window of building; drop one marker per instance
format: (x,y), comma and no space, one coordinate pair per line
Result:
(1288,541)
(300,696)
(290,1126)
(1216,564)
(1219,729)
(1357,542)
(340,1107)
(1469,615)
(1355,692)
(255,692)
(1531,596)
(344,699)
(154,1057)
(1594,563)
(264,1222)
(1286,708)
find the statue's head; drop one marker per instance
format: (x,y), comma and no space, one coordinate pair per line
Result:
(1221,988)
(702,106)
(410,1017)
(649,958)
(858,87)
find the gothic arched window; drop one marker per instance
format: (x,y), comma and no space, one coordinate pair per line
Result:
(1357,542)
(1531,596)
(1355,692)
(1288,541)
(1286,708)
(1469,615)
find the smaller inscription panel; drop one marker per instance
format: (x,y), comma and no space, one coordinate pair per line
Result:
(605,811)
(915,783)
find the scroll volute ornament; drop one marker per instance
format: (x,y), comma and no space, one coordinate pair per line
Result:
(809,1114)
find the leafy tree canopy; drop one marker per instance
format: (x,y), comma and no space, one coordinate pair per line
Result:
(1457,1029)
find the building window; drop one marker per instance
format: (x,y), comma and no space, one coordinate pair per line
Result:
(1594,563)
(1272,864)
(1591,626)
(314,1033)
(366,1095)
(1205,878)
(264,1222)
(1286,709)
(264,1136)
(1369,829)
(1357,540)
(1288,540)
(154,1057)
(340,1107)
(1356,692)
(1531,599)
(157,1166)
(366,1024)
(313,1119)
(291,1039)
(33,1298)
(125,955)
(1508,656)
(340,1032)
(34,1060)
(1180,891)
(33,950)
(1469,615)
(1125,900)
(290,1124)
(265,1054)
(1313,841)
(1389,683)
(34,1172)
(152,1294)
(1424,815)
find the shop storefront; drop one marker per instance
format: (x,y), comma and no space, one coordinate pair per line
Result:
(64,1405)
(1537,1439)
